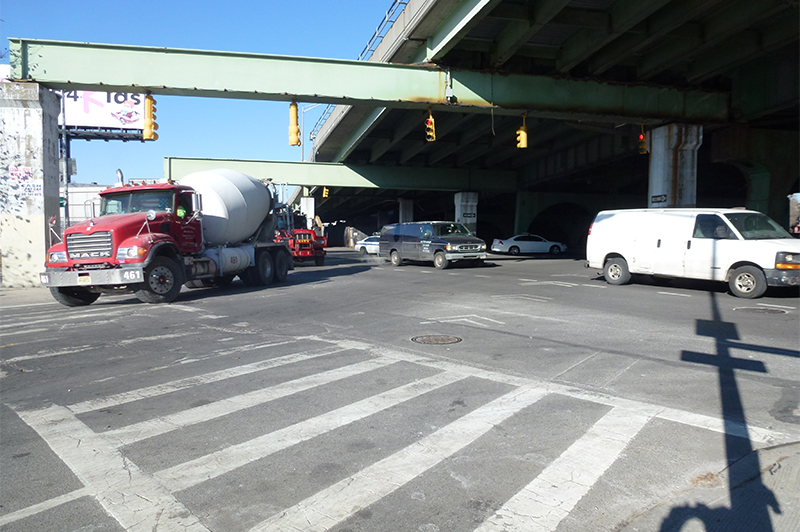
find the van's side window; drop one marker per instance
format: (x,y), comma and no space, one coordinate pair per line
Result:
(711,226)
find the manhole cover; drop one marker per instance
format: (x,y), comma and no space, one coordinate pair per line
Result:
(761,310)
(436,339)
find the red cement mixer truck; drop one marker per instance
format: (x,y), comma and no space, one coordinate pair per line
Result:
(150,240)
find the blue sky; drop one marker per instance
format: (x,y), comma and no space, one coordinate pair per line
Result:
(199,127)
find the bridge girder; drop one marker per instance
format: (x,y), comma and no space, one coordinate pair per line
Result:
(118,68)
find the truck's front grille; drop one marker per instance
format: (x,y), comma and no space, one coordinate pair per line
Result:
(469,247)
(95,246)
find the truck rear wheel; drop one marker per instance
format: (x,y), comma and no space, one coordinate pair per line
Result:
(73,297)
(265,269)
(747,282)
(616,271)
(281,266)
(163,279)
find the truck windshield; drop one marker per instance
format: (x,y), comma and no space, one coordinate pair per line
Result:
(757,226)
(450,229)
(136,201)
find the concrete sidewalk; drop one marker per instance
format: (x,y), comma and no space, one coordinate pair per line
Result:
(767,500)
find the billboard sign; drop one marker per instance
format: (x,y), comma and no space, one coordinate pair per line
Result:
(118,110)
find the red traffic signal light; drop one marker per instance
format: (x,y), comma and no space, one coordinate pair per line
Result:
(642,143)
(430,128)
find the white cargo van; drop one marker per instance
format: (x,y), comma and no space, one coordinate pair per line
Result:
(745,248)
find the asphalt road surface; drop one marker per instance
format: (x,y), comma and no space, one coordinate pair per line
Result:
(525,395)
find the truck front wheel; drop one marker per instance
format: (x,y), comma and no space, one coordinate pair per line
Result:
(73,297)
(319,260)
(747,282)
(163,280)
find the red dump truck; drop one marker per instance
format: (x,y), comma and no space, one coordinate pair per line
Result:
(152,239)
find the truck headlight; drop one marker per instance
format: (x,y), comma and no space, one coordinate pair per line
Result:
(448,247)
(786,260)
(57,256)
(483,247)
(133,252)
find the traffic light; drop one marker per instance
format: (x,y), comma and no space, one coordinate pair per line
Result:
(324,192)
(294,129)
(522,135)
(430,128)
(150,126)
(642,142)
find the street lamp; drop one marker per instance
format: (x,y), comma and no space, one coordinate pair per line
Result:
(303,110)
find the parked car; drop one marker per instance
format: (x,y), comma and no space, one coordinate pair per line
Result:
(440,242)
(368,245)
(746,249)
(527,243)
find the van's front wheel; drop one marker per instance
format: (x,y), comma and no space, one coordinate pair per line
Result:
(616,271)
(747,282)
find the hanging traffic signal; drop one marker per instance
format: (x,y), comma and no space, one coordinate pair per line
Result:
(522,134)
(150,126)
(430,128)
(324,192)
(642,142)
(294,128)
(522,137)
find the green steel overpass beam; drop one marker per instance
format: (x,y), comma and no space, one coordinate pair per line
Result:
(119,68)
(356,176)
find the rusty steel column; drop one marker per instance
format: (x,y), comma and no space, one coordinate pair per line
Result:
(673,165)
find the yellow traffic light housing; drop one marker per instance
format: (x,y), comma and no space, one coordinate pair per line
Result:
(642,141)
(150,126)
(294,128)
(430,128)
(522,135)
(324,192)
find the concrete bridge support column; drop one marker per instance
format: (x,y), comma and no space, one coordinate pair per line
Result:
(406,210)
(673,165)
(467,209)
(29,182)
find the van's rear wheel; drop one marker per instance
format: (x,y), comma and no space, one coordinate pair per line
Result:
(394,258)
(616,271)
(747,282)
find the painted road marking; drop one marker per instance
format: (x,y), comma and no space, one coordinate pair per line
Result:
(140,501)
(136,500)
(544,503)
(471,319)
(188,382)
(674,294)
(98,313)
(163,424)
(188,474)
(336,503)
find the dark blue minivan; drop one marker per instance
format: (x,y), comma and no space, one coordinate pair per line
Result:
(440,242)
